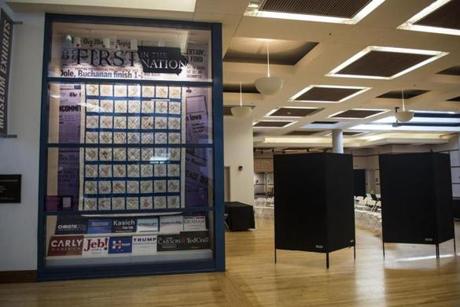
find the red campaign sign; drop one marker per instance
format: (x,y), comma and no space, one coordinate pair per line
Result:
(65,246)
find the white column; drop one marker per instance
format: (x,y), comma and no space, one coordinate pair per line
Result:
(337,141)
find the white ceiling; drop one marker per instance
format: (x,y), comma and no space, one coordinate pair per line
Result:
(336,44)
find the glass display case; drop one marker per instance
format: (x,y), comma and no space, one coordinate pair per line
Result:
(131,148)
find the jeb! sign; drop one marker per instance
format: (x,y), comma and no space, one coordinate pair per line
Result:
(161,59)
(6,34)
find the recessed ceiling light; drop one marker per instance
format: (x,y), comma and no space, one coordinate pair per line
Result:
(413,25)
(359,62)
(256,11)
(328,93)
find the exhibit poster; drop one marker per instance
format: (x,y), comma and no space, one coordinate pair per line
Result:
(106,58)
(148,224)
(95,246)
(71,224)
(194,223)
(126,224)
(171,224)
(99,226)
(120,245)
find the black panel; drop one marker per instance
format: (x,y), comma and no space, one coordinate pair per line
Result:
(309,197)
(454,99)
(359,182)
(297,112)
(353,113)
(340,203)
(383,64)
(331,8)
(453,71)
(414,200)
(272,124)
(245,88)
(324,123)
(443,196)
(303,132)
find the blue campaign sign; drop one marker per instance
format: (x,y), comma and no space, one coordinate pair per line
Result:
(120,245)
(99,226)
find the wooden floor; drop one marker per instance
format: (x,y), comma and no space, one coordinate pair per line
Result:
(409,276)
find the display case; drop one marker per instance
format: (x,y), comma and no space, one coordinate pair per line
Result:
(131,148)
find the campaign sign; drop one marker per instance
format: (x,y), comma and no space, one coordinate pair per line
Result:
(168,243)
(144,245)
(148,224)
(99,226)
(69,224)
(120,245)
(166,60)
(171,224)
(96,246)
(65,246)
(194,223)
(194,240)
(123,225)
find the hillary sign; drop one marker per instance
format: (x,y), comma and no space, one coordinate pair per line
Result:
(6,31)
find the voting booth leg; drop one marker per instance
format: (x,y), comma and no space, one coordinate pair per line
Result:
(354,252)
(327,260)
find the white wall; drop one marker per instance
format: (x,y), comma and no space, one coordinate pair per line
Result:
(18,222)
(238,151)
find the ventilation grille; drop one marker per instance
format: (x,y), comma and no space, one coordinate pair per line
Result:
(330,8)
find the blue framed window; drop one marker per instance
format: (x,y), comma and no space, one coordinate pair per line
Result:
(131,153)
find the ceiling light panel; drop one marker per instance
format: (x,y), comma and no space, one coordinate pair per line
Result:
(375,62)
(327,93)
(273,124)
(293,112)
(440,17)
(331,11)
(357,113)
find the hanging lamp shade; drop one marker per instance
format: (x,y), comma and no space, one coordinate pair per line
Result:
(403,116)
(241,111)
(269,85)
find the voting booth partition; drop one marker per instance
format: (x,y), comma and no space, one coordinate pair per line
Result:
(416,199)
(314,209)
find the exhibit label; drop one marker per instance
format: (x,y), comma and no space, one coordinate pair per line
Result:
(6,36)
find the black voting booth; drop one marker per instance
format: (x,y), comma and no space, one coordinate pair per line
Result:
(314,207)
(416,199)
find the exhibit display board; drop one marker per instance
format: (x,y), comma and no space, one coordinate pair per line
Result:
(416,198)
(314,208)
(131,147)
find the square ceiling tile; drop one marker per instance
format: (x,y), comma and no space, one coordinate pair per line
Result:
(376,62)
(282,52)
(247,88)
(408,94)
(357,113)
(327,93)
(441,16)
(334,11)
(293,112)
(272,124)
(454,99)
(302,132)
(453,71)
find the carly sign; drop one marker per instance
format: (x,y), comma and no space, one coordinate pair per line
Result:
(65,246)
(6,32)
(92,59)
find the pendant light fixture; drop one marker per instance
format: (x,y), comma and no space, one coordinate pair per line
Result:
(241,111)
(403,116)
(269,85)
